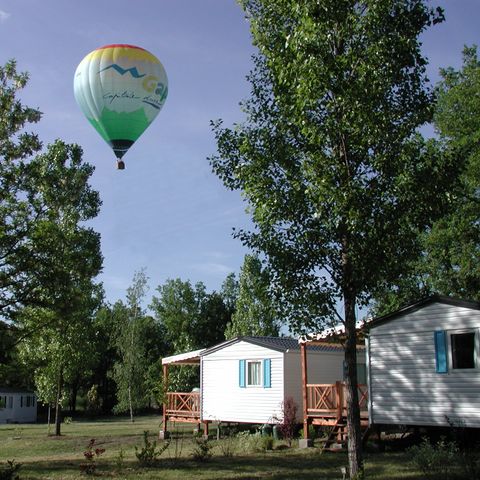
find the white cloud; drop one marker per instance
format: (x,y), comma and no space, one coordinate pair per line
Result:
(4,16)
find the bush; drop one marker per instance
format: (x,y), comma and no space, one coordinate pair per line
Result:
(254,443)
(90,455)
(148,454)
(435,460)
(202,451)
(9,470)
(288,426)
(227,445)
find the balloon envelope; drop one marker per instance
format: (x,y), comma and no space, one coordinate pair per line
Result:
(120,89)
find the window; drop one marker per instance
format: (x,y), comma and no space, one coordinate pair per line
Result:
(10,402)
(463,350)
(28,400)
(254,373)
(3,402)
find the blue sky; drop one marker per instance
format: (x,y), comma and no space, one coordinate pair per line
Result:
(166,211)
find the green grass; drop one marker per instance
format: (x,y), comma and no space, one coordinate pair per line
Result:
(49,457)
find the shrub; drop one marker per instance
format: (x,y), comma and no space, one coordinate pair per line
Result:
(148,454)
(288,426)
(202,451)
(90,454)
(435,461)
(9,470)
(254,443)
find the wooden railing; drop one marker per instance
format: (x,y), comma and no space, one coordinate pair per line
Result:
(330,399)
(183,404)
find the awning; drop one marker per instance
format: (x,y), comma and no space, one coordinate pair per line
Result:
(187,358)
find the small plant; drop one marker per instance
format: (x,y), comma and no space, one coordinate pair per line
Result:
(254,443)
(288,425)
(9,470)
(91,454)
(67,420)
(227,446)
(435,461)
(120,459)
(202,451)
(148,454)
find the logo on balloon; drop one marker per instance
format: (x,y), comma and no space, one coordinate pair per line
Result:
(152,85)
(122,71)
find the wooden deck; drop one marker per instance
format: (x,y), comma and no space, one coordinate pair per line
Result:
(182,407)
(326,403)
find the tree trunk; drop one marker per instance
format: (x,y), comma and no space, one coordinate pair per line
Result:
(130,402)
(48,417)
(58,411)
(355,458)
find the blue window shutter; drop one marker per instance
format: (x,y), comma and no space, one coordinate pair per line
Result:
(267,373)
(241,373)
(441,351)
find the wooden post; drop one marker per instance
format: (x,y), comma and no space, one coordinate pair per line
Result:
(339,399)
(303,354)
(305,441)
(164,433)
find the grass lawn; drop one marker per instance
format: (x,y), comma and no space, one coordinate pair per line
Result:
(48,457)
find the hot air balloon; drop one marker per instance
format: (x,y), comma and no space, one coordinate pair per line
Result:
(120,89)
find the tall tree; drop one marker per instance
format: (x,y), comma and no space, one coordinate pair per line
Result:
(337,181)
(192,319)
(452,248)
(130,370)
(17,268)
(55,334)
(255,312)
(450,259)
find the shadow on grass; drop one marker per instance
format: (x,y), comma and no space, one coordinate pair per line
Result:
(272,465)
(276,465)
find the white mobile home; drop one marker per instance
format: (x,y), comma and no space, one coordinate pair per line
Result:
(246,379)
(17,406)
(423,364)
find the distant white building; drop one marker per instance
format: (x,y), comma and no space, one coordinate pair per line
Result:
(17,406)
(423,364)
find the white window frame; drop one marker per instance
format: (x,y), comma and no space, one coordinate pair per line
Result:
(476,351)
(247,380)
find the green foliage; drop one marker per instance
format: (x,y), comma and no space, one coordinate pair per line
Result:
(148,454)
(18,268)
(9,470)
(435,461)
(253,442)
(450,263)
(130,337)
(202,450)
(255,312)
(191,319)
(338,182)
(228,446)
(93,401)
